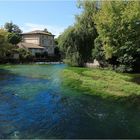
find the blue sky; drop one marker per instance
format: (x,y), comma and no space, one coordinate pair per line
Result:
(55,15)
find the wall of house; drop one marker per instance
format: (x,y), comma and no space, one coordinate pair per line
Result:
(50,50)
(42,40)
(47,42)
(31,39)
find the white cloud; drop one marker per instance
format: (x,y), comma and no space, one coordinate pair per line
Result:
(54,29)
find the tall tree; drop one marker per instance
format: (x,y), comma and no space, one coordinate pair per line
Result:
(78,41)
(14,36)
(118,26)
(68,46)
(5,47)
(12,28)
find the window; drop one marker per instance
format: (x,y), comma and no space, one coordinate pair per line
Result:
(42,41)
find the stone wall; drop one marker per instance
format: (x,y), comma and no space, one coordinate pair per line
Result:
(92,65)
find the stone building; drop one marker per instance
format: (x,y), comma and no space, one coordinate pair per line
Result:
(38,42)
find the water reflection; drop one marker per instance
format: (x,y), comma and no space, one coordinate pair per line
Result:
(36,107)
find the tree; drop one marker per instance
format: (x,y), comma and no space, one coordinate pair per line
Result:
(85,30)
(45,30)
(24,54)
(118,26)
(14,36)
(66,44)
(12,28)
(5,47)
(77,41)
(56,41)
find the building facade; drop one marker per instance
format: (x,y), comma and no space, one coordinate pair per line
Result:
(38,42)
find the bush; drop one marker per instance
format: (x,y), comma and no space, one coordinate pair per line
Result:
(24,54)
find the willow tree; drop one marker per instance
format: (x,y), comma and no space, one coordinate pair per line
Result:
(118,26)
(68,45)
(85,30)
(78,40)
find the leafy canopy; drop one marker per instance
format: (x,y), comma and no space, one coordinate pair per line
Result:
(77,41)
(118,26)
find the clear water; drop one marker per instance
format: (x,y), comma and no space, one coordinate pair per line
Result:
(34,104)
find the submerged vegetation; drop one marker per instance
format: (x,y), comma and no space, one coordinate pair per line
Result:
(103,83)
(35,105)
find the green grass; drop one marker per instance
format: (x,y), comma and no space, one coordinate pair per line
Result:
(101,82)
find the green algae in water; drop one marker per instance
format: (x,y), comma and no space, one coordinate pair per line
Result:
(36,107)
(28,80)
(32,71)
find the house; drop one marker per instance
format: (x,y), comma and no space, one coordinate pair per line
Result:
(38,41)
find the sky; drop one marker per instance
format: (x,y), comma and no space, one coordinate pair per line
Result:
(55,15)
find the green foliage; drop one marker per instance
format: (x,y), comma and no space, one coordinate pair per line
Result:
(24,54)
(67,45)
(5,47)
(118,26)
(8,40)
(77,41)
(12,28)
(117,40)
(56,41)
(45,30)
(13,38)
(98,52)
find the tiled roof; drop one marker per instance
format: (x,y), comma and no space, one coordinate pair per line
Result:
(29,46)
(39,32)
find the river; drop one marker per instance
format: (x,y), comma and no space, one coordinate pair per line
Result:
(35,104)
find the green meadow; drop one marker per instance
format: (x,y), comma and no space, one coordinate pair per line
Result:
(102,82)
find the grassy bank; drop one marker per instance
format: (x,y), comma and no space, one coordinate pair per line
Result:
(104,83)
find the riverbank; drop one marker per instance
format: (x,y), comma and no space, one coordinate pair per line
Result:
(103,83)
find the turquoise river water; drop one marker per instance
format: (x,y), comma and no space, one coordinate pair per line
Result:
(35,104)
